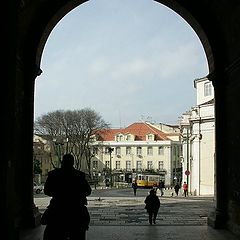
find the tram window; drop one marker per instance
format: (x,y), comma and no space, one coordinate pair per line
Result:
(141,177)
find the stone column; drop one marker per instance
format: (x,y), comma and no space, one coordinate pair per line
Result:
(27,215)
(217,218)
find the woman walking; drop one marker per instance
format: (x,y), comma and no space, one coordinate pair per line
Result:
(152,205)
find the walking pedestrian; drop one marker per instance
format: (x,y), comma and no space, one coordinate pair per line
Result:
(134,186)
(185,189)
(152,206)
(176,188)
(161,187)
(67,216)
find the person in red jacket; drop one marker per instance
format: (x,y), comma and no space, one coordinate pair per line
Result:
(185,189)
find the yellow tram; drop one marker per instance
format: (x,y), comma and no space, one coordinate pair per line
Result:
(147,180)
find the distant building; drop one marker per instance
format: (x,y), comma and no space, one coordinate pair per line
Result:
(140,147)
(49,153)
(198,139)
(42,153)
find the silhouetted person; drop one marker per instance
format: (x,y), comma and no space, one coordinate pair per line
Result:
(176,188)
(152,205)
(161,187)
(67,216)
(134,186)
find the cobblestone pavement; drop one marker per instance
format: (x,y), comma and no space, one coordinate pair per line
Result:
(191,211)
(120,218)
(130,211)
(154,232)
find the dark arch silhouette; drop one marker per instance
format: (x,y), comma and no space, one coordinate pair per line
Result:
(174,5)
(29,25)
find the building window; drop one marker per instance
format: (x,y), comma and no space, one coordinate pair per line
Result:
(150,137)
(160,165)
(174,150)
(119,137)
(160,150)
(95,151)
(149,165)
(117,164)
(207,89)
(128,165)
(128,150)
(118,151)
(106,150)
(95,164)
(128,137)
(139,165)
(139,150)
(107,164)
(150,151)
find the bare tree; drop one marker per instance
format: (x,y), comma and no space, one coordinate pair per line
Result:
(72,132)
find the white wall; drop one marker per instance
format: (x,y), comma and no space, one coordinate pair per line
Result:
(201,122)
(199,85)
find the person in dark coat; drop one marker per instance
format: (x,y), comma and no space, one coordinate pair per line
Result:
(176,188)
(161,187)
(134,186)
(67,216)
(152,205)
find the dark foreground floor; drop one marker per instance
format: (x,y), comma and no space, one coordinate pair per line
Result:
(144,233)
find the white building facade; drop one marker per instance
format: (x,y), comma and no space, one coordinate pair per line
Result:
(198,141)
(140,147)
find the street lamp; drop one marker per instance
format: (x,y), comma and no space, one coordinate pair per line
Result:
(186,138)
(187,173)
(110,150)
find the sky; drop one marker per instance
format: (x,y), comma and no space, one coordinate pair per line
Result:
(129,60)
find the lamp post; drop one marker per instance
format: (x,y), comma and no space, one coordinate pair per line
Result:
(186,138)
(187,156)
(110,150)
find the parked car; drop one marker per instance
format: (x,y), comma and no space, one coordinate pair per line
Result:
(37,188)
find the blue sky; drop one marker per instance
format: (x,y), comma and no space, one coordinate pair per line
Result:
(129,60)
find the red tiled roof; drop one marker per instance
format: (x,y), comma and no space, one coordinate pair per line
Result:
(139,130)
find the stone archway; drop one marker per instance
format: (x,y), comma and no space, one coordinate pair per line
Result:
(174,5)
(217,25)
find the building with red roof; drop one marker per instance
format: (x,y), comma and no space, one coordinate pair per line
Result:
(140,147)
